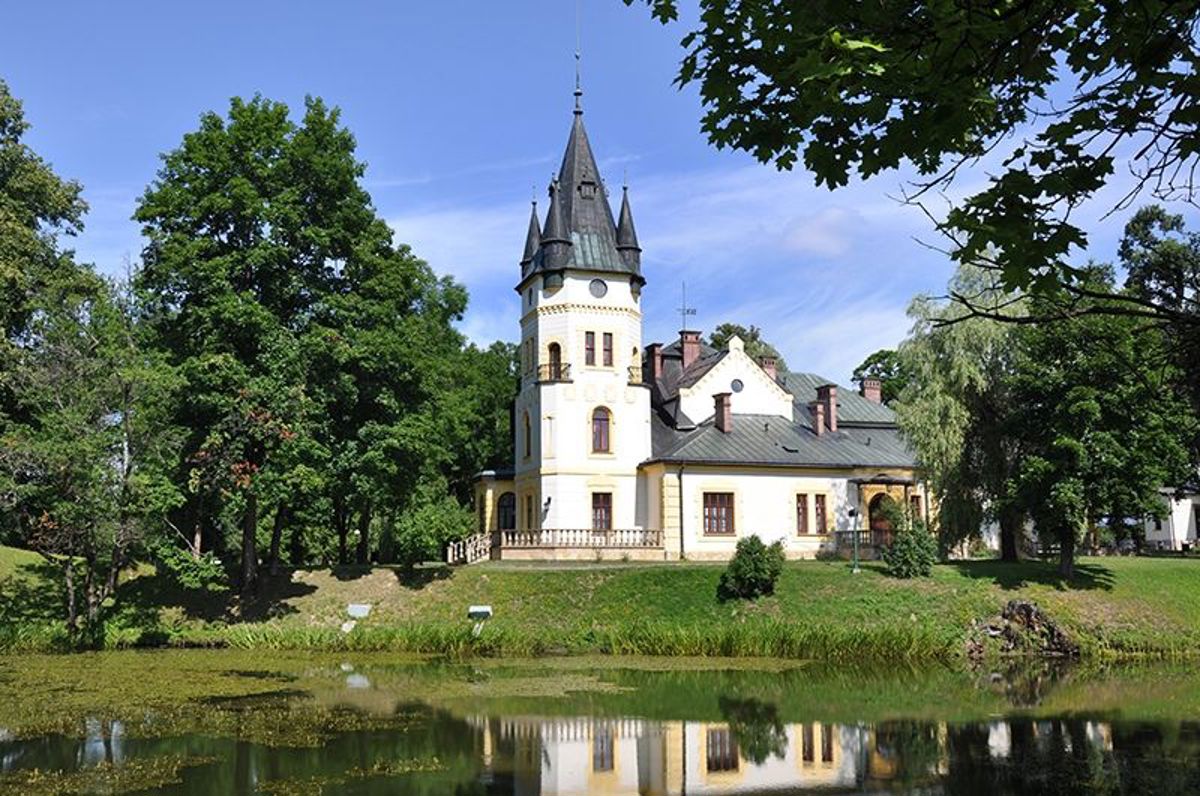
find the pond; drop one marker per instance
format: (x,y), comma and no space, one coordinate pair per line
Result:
(219,722)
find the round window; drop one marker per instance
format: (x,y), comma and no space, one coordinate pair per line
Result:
(598,288)
(736,385)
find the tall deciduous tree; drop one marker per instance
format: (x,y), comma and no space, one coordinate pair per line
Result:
(887,366)
(37,208)
(756,346)
(1102,426)
(860,88)
(86,468)
(250,223)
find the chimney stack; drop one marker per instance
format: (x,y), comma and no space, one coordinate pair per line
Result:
(722,412)
(817,409)
(872,390)
(689,343)
(654,361)
(827,395)
(768,364)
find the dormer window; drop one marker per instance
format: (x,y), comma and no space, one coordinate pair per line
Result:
(587,190)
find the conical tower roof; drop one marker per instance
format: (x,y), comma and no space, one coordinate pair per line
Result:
(533,240)
(581,205)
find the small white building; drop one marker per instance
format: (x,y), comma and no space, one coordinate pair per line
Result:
(667,451)
(1177,529)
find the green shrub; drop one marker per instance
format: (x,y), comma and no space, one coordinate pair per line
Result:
(752,571)
(912,553)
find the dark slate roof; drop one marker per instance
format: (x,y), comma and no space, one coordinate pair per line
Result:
(773,441)
(867,434)
(853,409)
(581,202)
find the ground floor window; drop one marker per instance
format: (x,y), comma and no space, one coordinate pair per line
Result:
(826,744)
(602,750)
(801,514)
(720,752)
(507,511)
(718,513)
(602,511)
(914,502)
(819,510)
(806,743)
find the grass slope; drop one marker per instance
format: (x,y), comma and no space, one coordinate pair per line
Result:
(1123,607)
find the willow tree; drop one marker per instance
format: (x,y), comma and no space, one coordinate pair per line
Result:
(956,410)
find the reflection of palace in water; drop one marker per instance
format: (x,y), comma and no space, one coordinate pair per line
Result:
(566,757)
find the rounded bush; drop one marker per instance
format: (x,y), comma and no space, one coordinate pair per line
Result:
(752,571)
(912,553)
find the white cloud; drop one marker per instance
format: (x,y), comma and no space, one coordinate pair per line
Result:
(827,276)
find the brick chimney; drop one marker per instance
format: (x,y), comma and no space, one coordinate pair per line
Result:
(689,344)
(768,364)
(722,412)
(872,390)
(827,395)
(654,362)
(817,410)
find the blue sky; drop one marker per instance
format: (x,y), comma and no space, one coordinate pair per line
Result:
(461,109)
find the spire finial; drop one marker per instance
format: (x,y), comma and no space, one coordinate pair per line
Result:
(578,48)
(578,86)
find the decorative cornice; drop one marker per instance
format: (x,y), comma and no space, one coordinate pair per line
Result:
(569,307)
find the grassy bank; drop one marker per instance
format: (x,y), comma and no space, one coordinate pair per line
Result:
(1116,608)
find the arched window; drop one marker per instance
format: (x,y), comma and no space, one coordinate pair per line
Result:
(601,422)
(527,448)
(555,352)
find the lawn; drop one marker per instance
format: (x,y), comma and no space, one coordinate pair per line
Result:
(1116,607)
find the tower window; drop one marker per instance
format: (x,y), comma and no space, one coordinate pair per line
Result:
(589,348)
(527,447)
(602,511)
(556,368)
(601,420)
(608,345)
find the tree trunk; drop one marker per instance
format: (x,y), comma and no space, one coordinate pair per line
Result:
(250,544)
(1011,527)
(1066,558)
(281,518)
(296,547)
(197,528)
(72,610)
(340,525)
(364,533)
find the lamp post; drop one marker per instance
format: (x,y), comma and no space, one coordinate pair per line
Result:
(854,530)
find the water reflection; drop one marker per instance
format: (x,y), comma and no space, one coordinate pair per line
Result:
(568,757)
(749,748)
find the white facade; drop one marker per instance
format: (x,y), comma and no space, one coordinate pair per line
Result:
(561,468)
(1178,528)
(759,395)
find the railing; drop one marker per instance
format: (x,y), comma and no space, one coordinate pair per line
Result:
(844,540)
(473,548)
(582,537)
(554,371)
(635,374)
